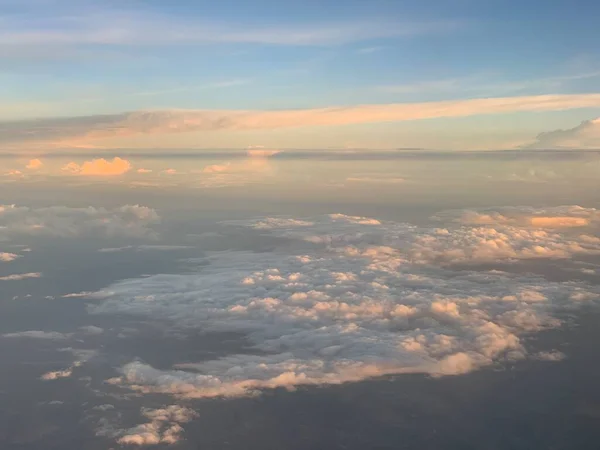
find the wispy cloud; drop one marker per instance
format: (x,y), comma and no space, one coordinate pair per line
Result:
(84,131)
(487,84)
(81,26)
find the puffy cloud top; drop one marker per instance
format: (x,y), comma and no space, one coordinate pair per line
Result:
(361,298)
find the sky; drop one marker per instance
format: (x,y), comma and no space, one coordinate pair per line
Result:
(263,224)
(377,74)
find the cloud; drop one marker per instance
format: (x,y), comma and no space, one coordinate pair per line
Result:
(57,374)
(169,171)
(142,170)
(255,168)
(20,276)
(7,257)
(261,153)
(91,329)
(216,168)
(34,164)
(99,167)
(144,247)
(62,221)
(77,27)
(375,180)
(81,130)
(37,334)
(359,298)
(550,218)
(164,427)
(584,136)
(552,356)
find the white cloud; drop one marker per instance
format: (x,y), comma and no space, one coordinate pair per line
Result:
(20,276)
(82,130)
(142,170)
(99,167)
(91,329)
(584,136)
(129,221)
(37,334)
(78,294)
(7,257)
(361,298)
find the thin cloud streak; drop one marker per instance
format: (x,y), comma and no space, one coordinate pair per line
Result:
(121,27)
(81,130)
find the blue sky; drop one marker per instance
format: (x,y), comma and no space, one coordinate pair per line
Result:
(73,58)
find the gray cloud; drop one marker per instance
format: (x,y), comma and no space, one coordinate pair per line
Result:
(62,221)
(361,298)
(584,136)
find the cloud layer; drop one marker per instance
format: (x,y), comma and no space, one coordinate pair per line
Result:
(82,130)
(62,221)
(360,298)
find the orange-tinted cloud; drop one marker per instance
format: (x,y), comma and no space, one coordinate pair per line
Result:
(84,130)
(34,164)
(99,167)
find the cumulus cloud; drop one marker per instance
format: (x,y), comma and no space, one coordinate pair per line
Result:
(20,276)
(84,129)
(62,221)
(164,427)
(361,298)
(34,164)
(99,167)
(584,136)
(7,257)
